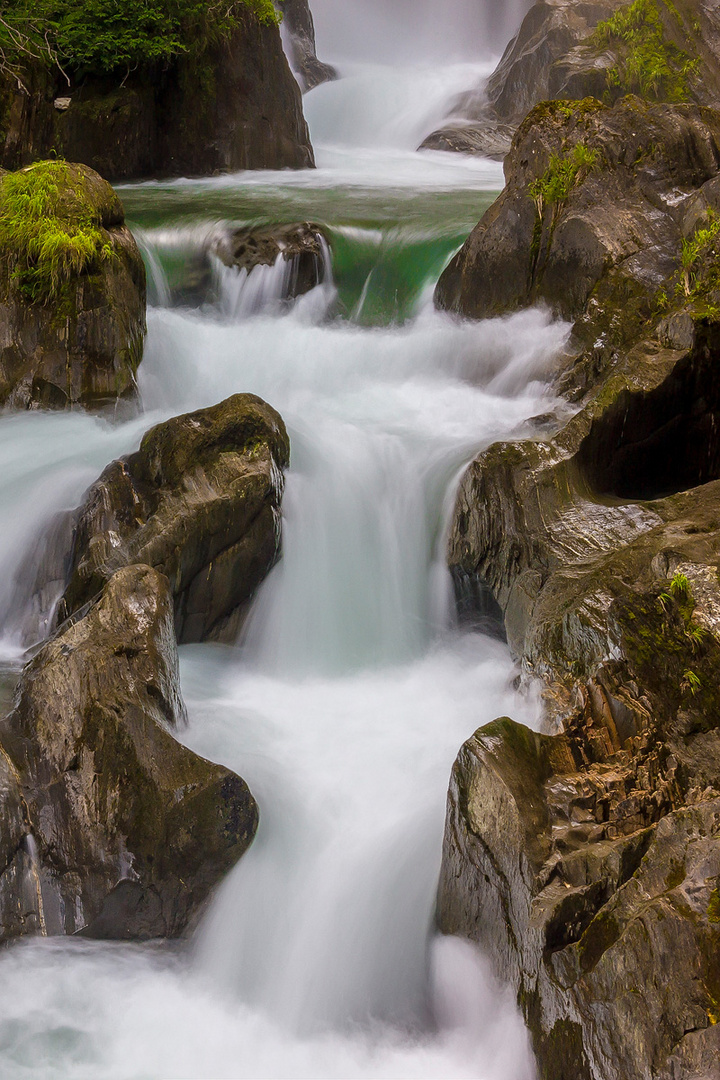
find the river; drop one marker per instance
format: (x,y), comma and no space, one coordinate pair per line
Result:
(353,688)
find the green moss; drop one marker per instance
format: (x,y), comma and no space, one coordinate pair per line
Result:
(647,62)
(714,906)
(50,229)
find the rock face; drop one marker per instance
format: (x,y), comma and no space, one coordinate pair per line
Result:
(241,110)
(557,55)
(82,346)
(199,501)
(113,828)
(298,22)
(588,861)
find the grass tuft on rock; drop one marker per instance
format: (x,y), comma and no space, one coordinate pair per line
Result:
(50,230)
(647,62)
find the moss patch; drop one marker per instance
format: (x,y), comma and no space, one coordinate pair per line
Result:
(647,63)
(50,228)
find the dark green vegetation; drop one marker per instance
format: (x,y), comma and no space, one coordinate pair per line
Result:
(107,36)
(50,228)
(648,62)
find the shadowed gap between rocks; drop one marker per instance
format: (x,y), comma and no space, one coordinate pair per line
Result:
(651,445)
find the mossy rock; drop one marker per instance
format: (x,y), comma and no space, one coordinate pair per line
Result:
(72,290)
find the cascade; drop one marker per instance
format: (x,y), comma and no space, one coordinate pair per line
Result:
(345,702)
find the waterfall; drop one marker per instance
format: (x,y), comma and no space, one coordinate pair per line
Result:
(405,31)
(352,688)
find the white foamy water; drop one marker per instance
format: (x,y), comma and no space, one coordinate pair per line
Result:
(352,690)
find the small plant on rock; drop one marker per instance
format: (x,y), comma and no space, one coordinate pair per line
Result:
(647,63)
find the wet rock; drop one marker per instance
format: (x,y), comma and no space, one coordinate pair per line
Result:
(82,343)
(557,56)
(588,861)
(298,21)
(602,245)
(200,501)
(485,140)
(610,940)
(129,830)
(303,248)
(239,107)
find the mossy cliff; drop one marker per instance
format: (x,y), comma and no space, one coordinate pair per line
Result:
(586,861)
(216,98)
(72,290)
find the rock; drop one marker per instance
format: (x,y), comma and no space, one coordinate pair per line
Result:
(239,107)
(559,54)
(486,140)
(587,861)
(303,247)
(611,941)
(76,340)
(125,831)
(298,21)
(199,501)
(602,251)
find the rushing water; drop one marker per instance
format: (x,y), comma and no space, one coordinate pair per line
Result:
(352,690)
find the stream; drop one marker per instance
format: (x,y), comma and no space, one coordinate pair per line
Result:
(353,687)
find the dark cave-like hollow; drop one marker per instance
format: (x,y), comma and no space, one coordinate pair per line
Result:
(648,445)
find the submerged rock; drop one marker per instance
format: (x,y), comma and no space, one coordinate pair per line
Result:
(298,20)
(71,327)
(302,247)
(120,831)
(200,501)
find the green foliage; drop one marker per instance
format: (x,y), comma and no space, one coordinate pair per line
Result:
(552,190)
(561,176)
(714,906)
(648,63)
(101,36)
(679,598)
(48,231)
(699,271)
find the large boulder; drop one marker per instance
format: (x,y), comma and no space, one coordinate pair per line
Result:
(573,49)
(118,830)
(598,203)
(72,290)
(300,29)
(606,920)
(200,501)
(235,106)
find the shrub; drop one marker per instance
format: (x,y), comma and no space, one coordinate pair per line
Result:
(105,36)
